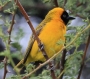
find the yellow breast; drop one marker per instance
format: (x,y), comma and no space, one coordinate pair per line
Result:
(51,33)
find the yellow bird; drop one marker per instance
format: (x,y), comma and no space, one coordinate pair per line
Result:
(51,30)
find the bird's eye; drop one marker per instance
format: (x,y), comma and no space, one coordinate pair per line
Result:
(64,16)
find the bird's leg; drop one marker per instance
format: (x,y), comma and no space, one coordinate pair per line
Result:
(52,67)
(51,64)
(41,46)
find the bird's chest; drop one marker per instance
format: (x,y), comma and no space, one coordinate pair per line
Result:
(51,35)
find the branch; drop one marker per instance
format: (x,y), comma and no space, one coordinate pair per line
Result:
(9,40)
(10,29)
(56,54)
(79,4)
(56,3)
(65,1)
(5,67)
(80,16)
(30,25)
(40,45)
(62,62)
(1,7)
(77,14)
(83,58)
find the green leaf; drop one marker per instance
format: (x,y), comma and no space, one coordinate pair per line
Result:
(18,35)
(60,42)
(5,53)
(46,1)
(16,45)
(17,55)
(1,65)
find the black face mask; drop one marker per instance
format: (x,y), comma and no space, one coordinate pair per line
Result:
(65,17)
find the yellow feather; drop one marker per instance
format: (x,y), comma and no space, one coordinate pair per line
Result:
(50,31)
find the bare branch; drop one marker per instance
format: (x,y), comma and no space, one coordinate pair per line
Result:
(40,45)
(5,67)
(83,58)
(65,1)
(10,29)
(1,7)
(62,62)
(56,3)
(79,4)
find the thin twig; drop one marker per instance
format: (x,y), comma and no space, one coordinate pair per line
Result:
(77,14)
(56,54)
(61,73)
(83,58)
(40,45)
(80,16)
(65,1)
(62,62)
(10,29)
(30,25)
(1,7)
(5,67)
(56,3)
(79,4)
(9,40)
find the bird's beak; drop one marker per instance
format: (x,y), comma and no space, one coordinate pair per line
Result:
(71,18)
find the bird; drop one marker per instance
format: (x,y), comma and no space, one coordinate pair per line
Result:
(50,31)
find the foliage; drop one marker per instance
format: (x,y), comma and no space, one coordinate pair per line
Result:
(77,7)
(73,62)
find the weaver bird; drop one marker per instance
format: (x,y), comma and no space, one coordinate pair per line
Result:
(51,30)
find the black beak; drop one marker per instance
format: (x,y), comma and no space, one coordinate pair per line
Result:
(71,18)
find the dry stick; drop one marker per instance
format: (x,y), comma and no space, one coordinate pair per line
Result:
(56,3)
(56,54)
(30,24)
(82,64)
(10,29)
(5,67)
(40,45)
(62,62)
(65,1)
(77,14)
(5,59)
(1,7)
(9,40)
(79,4)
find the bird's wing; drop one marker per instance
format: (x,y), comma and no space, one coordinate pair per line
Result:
(38,29)
(28,48)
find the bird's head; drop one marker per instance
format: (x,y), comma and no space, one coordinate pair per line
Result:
(59,14)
